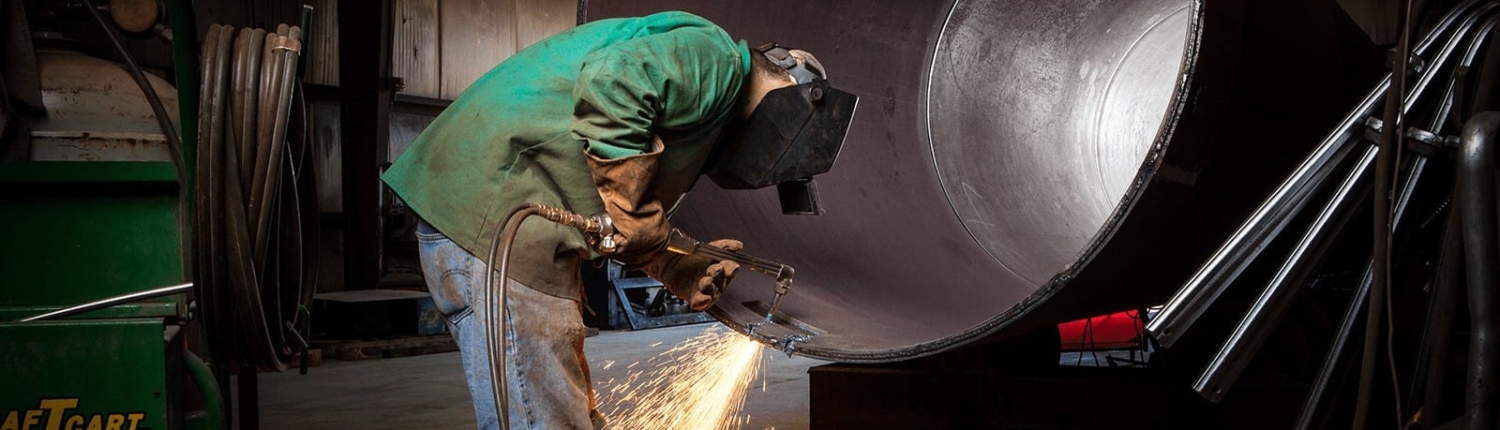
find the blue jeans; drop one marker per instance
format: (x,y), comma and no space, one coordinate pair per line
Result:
(546,374)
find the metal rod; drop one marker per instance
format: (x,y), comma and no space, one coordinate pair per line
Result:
(1477,202)
(1246,243)
(1264,315)
(249,398)
(112,301)
(1440,318)
(1336,353)
(1224,267)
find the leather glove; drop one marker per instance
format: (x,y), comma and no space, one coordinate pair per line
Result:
(640,221)
(697,279)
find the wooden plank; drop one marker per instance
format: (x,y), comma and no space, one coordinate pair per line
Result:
(476,35)
(542,18)
(405,127)
(414,51)
(322,53)
(328,145)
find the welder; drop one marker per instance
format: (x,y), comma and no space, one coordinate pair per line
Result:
(616,117)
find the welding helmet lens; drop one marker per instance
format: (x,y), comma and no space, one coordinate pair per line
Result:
(794,133)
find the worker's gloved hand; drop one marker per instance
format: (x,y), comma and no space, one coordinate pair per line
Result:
(698,280)
(625,186)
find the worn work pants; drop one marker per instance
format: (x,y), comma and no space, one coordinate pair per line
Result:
(547,376)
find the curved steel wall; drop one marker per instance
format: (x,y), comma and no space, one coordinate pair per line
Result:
(1018,163)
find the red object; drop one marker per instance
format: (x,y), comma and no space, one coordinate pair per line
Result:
(1114,331)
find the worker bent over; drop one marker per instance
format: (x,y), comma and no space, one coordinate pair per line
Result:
(615,117)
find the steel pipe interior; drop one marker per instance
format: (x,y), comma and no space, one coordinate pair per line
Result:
(999,149)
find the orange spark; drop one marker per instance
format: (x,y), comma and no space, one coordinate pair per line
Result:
(698,384)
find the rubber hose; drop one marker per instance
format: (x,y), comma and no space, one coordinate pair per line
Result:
(281,93)
(255,269)
(157,108)
(202,267)
(504,238)
(249,100)
(169,131)
(265,149)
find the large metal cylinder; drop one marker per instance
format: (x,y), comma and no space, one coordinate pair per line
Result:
(1018,163)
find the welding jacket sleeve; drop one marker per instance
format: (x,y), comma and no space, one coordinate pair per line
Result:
(625,96)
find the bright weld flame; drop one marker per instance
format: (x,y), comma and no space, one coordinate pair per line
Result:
(698,384)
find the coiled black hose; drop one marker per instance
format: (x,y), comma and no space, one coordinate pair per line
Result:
(256,201)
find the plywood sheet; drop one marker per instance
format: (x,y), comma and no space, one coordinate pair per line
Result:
(542,18)
(476,35)
(415,47)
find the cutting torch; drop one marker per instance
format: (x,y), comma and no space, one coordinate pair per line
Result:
(599,230)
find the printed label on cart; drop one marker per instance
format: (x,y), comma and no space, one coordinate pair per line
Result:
(59,414)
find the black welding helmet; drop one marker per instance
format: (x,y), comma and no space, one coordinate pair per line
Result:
(794,133)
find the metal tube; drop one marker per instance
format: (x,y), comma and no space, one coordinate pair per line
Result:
(111,301)
(1189,303)
(1264,314)
(1445,298)
(1336,354)
(1476,200)
(1244,246)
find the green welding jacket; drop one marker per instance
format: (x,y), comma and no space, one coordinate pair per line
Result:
(519,133)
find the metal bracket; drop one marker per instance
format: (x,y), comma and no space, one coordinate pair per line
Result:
(641,321)
(1373,126)
(1428,143)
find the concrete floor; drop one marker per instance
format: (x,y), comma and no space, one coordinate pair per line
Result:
(428,392)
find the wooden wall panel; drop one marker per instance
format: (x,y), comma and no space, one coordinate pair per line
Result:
(328,145)
(476,35)
(405,127)
(542,18)
(414,50)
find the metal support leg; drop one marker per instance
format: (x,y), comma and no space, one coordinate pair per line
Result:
(1265,314)
(249,399)
(226,392)
(1476,200)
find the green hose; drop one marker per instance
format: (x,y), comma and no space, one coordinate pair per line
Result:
(213,405)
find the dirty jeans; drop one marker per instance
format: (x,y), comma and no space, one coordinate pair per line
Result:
(547,376)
